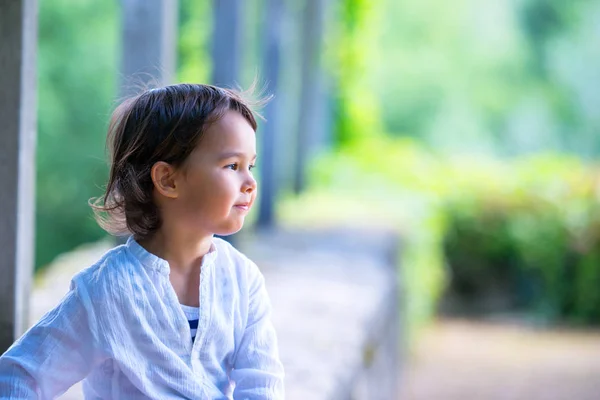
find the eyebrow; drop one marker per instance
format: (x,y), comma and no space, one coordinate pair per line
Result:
(233,154)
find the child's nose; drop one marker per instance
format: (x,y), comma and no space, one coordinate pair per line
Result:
(249,185)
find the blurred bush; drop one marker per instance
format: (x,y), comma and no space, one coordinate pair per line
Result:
(529,243)
(493,235)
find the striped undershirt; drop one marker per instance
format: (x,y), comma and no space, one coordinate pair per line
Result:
(191,313)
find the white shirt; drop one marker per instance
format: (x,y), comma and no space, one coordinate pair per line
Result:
(122,329)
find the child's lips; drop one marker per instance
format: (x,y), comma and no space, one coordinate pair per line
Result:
(243,206)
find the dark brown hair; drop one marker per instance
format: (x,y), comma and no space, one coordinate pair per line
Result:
(162,124)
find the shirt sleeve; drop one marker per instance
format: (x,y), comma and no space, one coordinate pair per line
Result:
(257,371)
(50,357)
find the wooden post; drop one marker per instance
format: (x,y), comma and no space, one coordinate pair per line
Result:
(310,130)
(226,42)
(149,39)
(18,47)
(272,32)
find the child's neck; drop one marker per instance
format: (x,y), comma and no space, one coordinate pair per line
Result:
(183,254)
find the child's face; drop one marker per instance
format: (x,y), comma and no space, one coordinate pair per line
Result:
(216,188)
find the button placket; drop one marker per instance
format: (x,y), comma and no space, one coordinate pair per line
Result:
(204,310)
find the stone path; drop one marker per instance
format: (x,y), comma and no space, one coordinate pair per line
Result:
(461,360)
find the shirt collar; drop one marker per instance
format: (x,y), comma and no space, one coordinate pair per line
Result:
(161,265)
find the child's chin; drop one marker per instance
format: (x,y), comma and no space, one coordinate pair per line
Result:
(230,230)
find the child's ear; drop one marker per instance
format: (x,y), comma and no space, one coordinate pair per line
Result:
(163,177)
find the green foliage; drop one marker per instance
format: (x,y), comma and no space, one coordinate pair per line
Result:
(352,55)
(77,70)
(453,72)
(502,77)
(192,47)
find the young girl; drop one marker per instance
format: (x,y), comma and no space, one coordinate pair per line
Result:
(175,313)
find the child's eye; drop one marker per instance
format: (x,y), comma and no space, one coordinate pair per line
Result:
(233,167)
(251,167)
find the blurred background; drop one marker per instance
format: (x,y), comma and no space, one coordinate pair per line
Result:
(468,128)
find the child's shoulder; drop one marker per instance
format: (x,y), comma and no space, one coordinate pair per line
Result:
(112,266)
